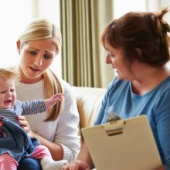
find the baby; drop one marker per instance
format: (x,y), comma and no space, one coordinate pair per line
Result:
(15,143)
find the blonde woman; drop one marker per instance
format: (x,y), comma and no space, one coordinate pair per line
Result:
(38,46)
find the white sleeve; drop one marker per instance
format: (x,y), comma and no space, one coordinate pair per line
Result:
(67,133)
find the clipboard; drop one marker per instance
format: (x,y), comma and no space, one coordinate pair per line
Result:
(123,145)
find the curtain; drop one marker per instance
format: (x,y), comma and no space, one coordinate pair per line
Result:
(83,57)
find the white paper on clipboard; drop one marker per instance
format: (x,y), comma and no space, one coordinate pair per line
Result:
(123,145)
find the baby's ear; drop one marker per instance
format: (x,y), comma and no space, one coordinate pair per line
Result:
(139,51)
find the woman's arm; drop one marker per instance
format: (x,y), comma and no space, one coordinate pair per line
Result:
(67,132)
(162,119)
(51,146)
(84,155)
(66,142)
(55,149)
(83,162)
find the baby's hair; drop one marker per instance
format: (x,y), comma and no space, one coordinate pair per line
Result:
(9,73)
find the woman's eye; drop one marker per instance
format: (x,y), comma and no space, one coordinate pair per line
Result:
(111,55)
(33,52)
(47,56)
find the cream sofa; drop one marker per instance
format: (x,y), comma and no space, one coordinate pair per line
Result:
(88,103)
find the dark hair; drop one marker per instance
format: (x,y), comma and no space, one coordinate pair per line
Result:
(144,31)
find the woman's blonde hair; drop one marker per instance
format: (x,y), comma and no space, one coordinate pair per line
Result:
(40,29)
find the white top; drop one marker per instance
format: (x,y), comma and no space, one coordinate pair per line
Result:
(65,129)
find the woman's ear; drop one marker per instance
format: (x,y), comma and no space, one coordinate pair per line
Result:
(139,51)
(18,46)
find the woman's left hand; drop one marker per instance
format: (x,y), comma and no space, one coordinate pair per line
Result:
(24,123)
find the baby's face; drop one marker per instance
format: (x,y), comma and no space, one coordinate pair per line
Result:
(7,93)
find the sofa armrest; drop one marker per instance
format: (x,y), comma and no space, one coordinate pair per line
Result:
(88,103)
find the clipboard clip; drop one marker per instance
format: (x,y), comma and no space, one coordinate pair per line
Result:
(114,125)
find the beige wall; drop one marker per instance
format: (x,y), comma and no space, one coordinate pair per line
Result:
(166,3)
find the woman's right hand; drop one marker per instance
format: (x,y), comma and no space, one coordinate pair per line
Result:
(25,125)
(160,168)
(80,165)
(76,165)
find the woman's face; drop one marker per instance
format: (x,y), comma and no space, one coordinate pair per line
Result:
(116,59)
(36,57)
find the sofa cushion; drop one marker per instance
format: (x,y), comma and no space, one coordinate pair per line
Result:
(88,103)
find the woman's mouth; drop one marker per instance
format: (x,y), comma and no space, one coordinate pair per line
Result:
(34,69)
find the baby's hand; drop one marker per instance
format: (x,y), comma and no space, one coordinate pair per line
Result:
(2,133)
(53,100)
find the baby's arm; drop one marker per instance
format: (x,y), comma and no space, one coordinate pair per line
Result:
(53,100)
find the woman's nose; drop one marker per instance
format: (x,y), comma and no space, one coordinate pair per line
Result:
(108,59)
(38,61)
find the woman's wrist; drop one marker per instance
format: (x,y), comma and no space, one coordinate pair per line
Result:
(32,134)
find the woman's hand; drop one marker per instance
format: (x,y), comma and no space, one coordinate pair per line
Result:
(25,125)
(80,165)
(160,168)
(76,165)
